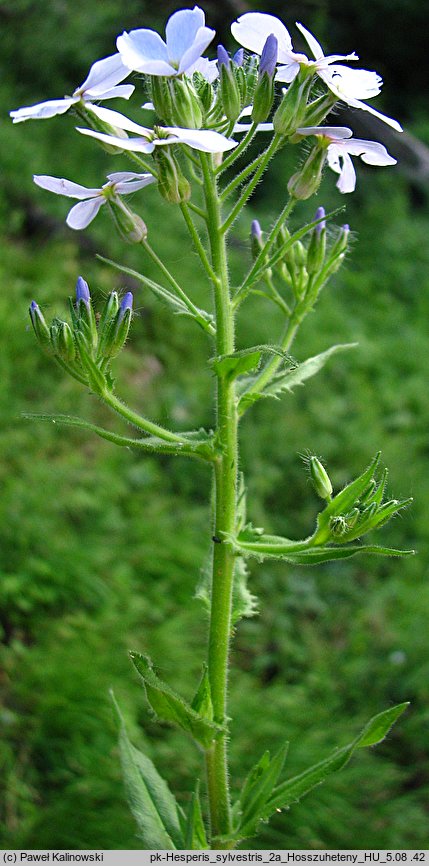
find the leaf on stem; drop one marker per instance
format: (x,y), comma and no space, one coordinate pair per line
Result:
(244,360)
(194,830)
(286,380)
(172,708)
(260,799)
(194,443)
(154,807)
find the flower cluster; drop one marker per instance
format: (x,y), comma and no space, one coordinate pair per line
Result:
(200,103)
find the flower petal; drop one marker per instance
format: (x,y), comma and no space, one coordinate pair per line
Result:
(202,40)
(64,187)
(336,132)
(287,73)
(201,139)
(103,75)
(207,68)
(123,91)
(83,213)
(311,41)
(118,120)
(126,187)
(144,50)
(187,37)
(371,152)
(354,83)
(340,162)
(43,110)
(138,145)
(356,103)
(253,28)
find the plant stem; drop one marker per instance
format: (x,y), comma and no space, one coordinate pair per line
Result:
(225,479)
(137,420)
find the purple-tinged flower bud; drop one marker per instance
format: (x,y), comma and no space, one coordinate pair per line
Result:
(40,327)
(256,241)
(269,56)
(119,328)
(238,58)
(82,292)
(317,246)
(229,91)
(263,96)
(223,57)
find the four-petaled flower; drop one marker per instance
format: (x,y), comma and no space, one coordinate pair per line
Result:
(350,85)
(186,39)
(340,147)
(206,140)
(119,183)
(101,83)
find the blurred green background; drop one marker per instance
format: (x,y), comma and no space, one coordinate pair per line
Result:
(101,549)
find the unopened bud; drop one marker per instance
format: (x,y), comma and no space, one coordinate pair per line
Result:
(161,98)
(118,331)
(317,245)
(305,182)
(263,97)
(40,327)
(229,89)
(238,58)
(256,238)
(338,250)
(85,318)
(320,478)
(62,340)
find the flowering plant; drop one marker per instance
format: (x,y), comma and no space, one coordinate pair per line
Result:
(194,154)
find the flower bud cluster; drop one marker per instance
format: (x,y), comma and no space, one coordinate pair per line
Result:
(86,347)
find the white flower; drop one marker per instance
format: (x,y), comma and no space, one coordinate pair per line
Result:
(186,39)
(350,85)
(206,140)
(342,147)
(119,183)
(101,83)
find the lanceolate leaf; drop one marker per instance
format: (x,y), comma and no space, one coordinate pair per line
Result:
(287,380)
(194,833)
(153,805)
(293,789)
(244,360)
(244,603)
(198,442)
(172,708)
(302,553)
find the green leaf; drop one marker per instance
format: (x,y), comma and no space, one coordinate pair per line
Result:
(169,298)
(195,833)
(292,790)
(287,380)
(252,543)
(154,807)
(244,360)
(344,501)
(172,708)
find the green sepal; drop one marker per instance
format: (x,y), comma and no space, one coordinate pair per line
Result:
(154,807)
(198,443)
(344,501)
(172,708)
(287,380)
(202,317)
(194,830)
